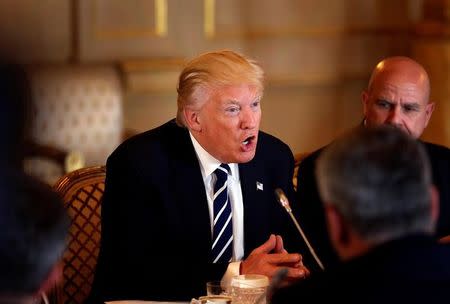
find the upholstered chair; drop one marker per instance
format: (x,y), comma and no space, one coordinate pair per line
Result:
(76,109)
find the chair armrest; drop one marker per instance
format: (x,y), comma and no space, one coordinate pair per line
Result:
(68,160)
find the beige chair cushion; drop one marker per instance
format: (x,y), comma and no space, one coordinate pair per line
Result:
(76,108)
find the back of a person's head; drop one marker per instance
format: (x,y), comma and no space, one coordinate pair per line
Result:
(379,180)
(213,70)
(32,236)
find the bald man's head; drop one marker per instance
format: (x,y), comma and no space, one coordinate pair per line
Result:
(398,94)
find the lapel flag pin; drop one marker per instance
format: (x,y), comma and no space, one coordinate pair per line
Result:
(259,186)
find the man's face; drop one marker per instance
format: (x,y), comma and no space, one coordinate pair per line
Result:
(229,123)
(398,102)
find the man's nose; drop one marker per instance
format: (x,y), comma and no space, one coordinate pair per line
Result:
(249,119)
(395,116)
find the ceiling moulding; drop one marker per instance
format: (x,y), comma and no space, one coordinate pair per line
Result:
(159,29)
(319,80)
(152,75)
(298,32)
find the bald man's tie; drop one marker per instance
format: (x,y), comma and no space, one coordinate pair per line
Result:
(222,247)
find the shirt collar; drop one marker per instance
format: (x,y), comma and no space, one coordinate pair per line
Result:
(208,164)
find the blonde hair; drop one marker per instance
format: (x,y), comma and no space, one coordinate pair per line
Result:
(211,71)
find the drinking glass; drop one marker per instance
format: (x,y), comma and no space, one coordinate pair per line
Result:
(214,288)
(249,289)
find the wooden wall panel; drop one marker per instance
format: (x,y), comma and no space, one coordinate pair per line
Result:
(317,54)
(308,118)
(113,30)
(434,54)
(148,110)
(35,31)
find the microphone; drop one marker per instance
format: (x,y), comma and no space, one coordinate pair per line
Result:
(283,200)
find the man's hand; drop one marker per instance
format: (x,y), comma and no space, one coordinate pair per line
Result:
(270,257)
(279,247)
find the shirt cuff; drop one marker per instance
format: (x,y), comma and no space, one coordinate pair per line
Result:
(232,271)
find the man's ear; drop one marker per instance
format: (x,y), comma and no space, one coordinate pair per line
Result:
(429,108)
(365,100)
(338,229)
(335,225)
(192,119)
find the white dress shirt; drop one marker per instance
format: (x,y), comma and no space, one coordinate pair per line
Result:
(208,164)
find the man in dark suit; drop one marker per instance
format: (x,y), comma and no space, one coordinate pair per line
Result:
(381,210)
(160,199)
(397,94)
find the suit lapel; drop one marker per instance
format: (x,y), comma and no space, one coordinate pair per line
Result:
(255,206)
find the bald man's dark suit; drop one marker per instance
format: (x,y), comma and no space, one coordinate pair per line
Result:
(156,232)
(311,210)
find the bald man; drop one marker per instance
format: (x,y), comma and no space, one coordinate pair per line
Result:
(397,94)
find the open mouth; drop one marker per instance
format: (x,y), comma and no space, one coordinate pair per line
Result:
(248,142)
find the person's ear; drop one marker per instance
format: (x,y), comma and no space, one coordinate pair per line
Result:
(192,119)
(365,102)
(429,108)
(337,229)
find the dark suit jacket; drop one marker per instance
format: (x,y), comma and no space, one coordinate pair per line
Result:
(156,233)
(414,269)
(311,210)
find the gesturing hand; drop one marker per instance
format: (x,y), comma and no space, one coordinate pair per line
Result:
(270,257)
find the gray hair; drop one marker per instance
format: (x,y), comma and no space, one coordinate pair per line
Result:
(379,179)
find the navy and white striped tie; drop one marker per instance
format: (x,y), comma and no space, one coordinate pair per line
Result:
(222,247)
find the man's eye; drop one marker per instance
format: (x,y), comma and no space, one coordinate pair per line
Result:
(232,110)
(407,109)
(256,104)
(383,104)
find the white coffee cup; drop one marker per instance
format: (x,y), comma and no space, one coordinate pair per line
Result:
(215,299)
